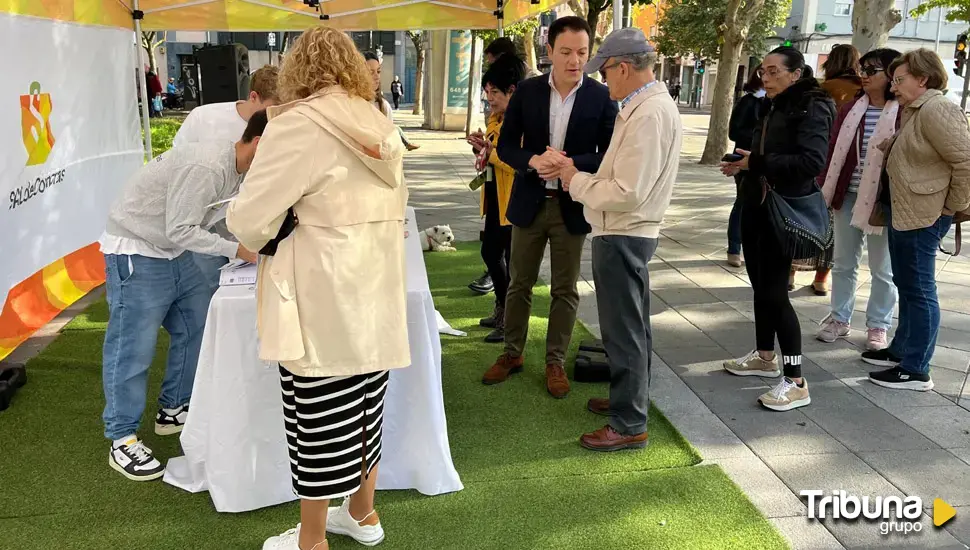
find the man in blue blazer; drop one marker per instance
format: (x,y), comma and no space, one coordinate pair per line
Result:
(552,122)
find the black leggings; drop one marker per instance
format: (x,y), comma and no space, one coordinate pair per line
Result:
(496,245)
(768,270)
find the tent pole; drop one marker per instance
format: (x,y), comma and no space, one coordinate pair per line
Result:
(500,15)
(471,87)
(139,71)
(617,14)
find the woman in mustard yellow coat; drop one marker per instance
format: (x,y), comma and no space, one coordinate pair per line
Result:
(499,83)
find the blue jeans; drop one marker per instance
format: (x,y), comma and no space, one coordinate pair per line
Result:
(210,266)
(846,258)
(143,295)
(914,272)
(734,222)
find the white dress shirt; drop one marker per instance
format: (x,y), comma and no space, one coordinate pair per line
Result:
(559,112)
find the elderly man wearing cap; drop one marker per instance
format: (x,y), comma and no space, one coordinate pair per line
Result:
(624,202)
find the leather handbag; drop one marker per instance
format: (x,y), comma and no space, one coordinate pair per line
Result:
(289,224)
(802,225)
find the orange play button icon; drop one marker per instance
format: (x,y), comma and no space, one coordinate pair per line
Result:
(942,512)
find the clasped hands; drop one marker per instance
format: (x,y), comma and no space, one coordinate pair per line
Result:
(554,164)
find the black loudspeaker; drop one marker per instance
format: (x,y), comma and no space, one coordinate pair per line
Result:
(224,73)
(592,364)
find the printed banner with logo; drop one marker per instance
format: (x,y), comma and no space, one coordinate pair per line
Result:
(72,89)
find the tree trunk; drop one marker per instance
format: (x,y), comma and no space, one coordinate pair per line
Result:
(148,42)
(727,67)
(529,44)
(419,81)
(871,22)
(593,19)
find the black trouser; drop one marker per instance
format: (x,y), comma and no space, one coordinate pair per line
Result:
(768,269)
(496,244)
(397,100)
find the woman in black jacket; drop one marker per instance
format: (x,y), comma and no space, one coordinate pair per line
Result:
(744,118)
(789,150)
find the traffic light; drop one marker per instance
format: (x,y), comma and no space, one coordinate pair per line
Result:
(699,66)
(960,54)
(787,43)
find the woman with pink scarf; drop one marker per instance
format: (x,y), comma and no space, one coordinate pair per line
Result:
(850,185)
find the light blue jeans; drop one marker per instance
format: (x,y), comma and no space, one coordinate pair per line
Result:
(210,267)
(145,294)
(846,259)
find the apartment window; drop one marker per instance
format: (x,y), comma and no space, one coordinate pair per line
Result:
(843,9)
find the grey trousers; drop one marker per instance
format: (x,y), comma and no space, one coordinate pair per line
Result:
(623,300)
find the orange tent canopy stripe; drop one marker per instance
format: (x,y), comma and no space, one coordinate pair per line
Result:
(42,296)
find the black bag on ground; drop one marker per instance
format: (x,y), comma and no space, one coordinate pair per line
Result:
(591,367)
(289,224)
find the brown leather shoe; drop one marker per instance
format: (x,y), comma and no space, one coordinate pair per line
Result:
(608,439)
(599,405)
(556,382)
(504,366)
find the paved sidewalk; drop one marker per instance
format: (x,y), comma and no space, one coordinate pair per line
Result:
(855,436)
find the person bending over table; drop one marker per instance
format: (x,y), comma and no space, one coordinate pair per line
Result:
(154,230)
(335,327)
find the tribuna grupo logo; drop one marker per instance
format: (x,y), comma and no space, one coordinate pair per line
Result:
(894,514)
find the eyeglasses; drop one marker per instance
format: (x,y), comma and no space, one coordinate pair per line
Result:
(603,70)
(897,80)
(871,70)
(772,72)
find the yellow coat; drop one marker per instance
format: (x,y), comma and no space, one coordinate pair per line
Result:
(504,174)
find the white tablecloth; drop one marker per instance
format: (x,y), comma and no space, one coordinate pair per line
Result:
(234,442)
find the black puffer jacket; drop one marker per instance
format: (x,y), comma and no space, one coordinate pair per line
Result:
(799,123)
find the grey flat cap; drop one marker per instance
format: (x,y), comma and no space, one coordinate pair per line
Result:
(628,41)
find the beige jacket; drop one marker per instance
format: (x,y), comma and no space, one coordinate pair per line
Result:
(630,192)
(929,164)
(331,302)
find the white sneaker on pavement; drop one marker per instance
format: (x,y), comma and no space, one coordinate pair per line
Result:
(787,395)
(753,365)
(340,522)
(831,330)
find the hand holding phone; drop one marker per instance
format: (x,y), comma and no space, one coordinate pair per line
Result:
(732,157)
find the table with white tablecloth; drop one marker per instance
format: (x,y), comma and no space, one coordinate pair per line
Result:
(234,442)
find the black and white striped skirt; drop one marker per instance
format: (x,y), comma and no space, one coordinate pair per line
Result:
(333,428)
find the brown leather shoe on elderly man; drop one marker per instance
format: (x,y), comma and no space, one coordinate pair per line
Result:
(607,439)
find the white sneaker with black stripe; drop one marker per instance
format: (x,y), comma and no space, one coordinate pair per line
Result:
(340,522)
(171,421)
(132,459)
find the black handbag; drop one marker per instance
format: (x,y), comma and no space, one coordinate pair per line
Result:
(289,224)
(802,225)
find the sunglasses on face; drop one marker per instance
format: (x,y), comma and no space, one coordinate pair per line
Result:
(871,70)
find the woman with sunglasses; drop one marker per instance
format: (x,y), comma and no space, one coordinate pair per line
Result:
(851,188)
(789,148)
(928,172)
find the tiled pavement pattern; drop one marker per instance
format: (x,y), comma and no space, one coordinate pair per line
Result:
(855,436)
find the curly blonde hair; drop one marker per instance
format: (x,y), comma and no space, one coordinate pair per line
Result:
(323,57)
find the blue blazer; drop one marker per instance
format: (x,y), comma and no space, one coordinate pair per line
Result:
(525,132)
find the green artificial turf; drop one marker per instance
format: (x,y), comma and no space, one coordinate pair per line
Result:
(528,484)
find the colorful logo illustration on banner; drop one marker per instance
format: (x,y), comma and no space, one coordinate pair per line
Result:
(35,110)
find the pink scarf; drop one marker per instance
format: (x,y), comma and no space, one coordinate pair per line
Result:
(869,182)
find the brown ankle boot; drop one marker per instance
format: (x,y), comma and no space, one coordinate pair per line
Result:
(504,366)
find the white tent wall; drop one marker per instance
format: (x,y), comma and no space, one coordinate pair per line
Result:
(74,96)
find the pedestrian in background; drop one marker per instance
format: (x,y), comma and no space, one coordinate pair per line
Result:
(744,119)
(397,91)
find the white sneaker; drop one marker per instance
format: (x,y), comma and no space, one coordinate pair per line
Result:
(171,421)
(340,522)
(753,365)
(831,330)
(134,460)
(786,396)
(288,540)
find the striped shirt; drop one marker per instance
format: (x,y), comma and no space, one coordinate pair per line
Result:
(869,127)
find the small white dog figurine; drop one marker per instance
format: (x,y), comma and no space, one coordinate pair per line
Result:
(438,239)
